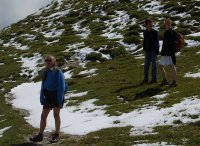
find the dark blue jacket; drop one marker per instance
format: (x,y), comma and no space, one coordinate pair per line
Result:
(170,42)
(53,80)
(151,41)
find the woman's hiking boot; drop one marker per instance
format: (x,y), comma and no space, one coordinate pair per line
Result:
(164,82)
(55,138)
(37,138)
(173,84)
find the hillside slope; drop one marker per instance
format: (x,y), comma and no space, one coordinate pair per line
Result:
(98,46)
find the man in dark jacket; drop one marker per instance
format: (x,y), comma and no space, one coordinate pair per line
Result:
(168,51)
(151,49)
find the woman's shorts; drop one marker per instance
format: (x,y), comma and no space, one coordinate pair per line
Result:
(50,100)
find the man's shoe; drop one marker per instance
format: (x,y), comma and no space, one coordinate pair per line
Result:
(37,138)
(153,81)
(164,82)
(144,82)
(55,138)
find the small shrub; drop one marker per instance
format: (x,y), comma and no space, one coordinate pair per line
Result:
(177,122)
(94,57)
(135,27)
(111,12)
(97,27)
(104,18)
(116,24)
(70,20)
(124,1)
(118,52)
(39,37)
(194,13)
(132,39)
(116,122)
(138,14)
(73,14)
(197,3)
(132,33)
(170,4)
(18,33)
(179,9)
(194,116)
(184,31)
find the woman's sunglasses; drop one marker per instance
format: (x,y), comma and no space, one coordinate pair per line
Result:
(48,60)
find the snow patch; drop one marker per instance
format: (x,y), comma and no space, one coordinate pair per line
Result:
(68,74)
(17,45)
(129,47)
(29,37)
(161,96)
(87,117)
(195,34)
(192,43)
(113,35)
(58,14)
(48,43)
(154,7)
(83,32)
(90,72)
(70,95)
(192,75)
(53,33)
(3,130)
(30,65)
(154,144)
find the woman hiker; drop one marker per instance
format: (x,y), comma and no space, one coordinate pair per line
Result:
(168,57)
(51,97)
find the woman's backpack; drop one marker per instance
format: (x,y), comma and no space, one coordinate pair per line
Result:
(180,42)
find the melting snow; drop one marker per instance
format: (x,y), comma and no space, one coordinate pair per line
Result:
(48,43)
(29,37)
(58,14)
(19,46)
(192,43)
(154,144)
(68,74)
(161,96)
(74,46)
(81,54)
(154,7)
(128,47)
(113,35)
(53,33)
(90,72)
(83,32)
(70,95)
(31,64)
(3,130)
(192,75)
(88,117)
(195,34)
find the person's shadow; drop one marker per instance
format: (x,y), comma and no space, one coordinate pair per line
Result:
(27,144)
(149,92)
(128,87)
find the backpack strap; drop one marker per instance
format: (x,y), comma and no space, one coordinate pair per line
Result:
(44,75)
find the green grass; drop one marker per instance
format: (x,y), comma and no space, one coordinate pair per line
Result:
(117,82)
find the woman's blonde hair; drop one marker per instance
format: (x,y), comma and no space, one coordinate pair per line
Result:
(53,59)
